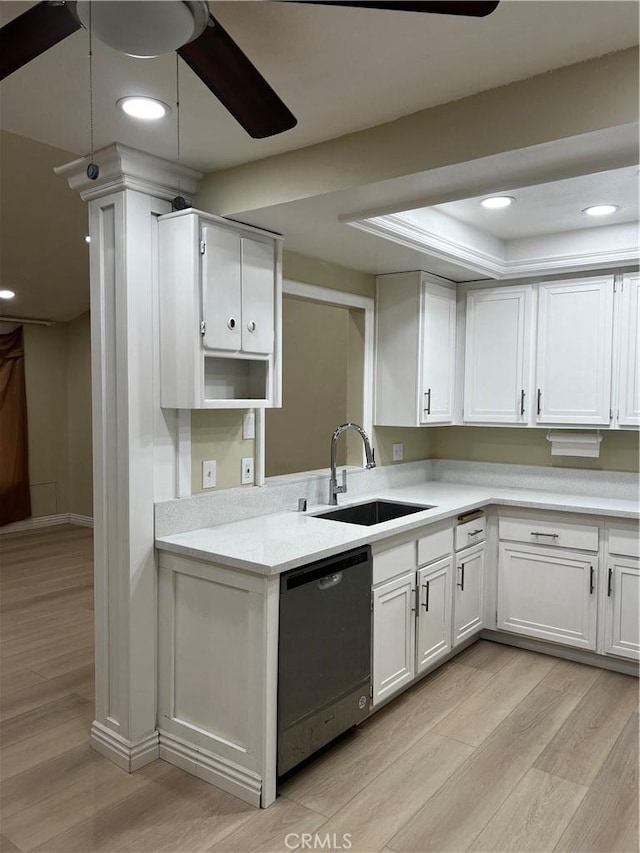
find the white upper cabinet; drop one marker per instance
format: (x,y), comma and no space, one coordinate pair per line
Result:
(573,370)
(497,355)
(628,408)
(220,304)
(415,350)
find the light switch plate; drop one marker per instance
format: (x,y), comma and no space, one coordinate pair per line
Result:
(249,425)
(209,473)
(398,452)
(246,475)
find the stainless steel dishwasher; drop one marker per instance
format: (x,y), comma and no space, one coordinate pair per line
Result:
(324,659)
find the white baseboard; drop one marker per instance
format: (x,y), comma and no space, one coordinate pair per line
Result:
(126,754)
(47,521)
(218,771)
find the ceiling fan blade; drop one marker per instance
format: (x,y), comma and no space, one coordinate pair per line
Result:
(472,8)
(236,82)
(33,32)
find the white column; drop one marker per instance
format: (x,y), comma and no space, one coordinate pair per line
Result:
(135,443)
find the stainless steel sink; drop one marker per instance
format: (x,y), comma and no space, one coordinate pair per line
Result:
(372,512)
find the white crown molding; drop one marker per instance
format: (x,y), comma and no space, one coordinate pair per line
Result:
(218,771)
(122,167)
(47,521)
(395,227)
(126,754)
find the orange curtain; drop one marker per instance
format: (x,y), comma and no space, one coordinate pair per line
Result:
(15,503)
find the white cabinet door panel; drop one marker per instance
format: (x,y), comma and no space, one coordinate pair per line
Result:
(548,593)
(629,352)
(258,264)
(498,339)
(393,636)
(438,353)
(433,639)
(575,329)
(468,593)
(623,611)
(221,289)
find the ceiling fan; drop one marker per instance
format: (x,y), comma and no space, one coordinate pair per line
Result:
(153,27)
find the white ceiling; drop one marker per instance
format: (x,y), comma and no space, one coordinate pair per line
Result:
(338,70)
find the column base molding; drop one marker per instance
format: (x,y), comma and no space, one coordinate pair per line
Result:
(128,755)
(232,778)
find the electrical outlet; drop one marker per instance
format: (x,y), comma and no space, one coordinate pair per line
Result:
(209,473)
(398,452)
(246,475)
(249,425)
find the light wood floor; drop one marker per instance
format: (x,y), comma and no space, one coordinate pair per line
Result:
(499,750)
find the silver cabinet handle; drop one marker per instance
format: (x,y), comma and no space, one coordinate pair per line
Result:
(522,396)
(539,400)
(461,584)
(591,584)
(251,326)
(475,532)
(427,394)
(540,533)
(330,581)
(425,586)
(231,323)
(610,583)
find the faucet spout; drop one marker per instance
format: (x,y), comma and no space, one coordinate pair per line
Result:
(334,488)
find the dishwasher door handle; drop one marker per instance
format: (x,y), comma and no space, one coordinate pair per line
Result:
(330,581)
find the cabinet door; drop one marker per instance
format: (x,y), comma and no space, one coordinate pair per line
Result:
(438,342)
(468,593)
(221,289)
(258,285)
(629,352)
(548,593)
(433,638)
(575,329)
(623,616)
(496,367)
(393,636)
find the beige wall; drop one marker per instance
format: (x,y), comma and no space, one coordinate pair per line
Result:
(58,386)
(618,451)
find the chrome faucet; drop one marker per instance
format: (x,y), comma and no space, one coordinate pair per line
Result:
(334,488)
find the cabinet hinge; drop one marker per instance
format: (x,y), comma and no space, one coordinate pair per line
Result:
(203,327)
(203,247)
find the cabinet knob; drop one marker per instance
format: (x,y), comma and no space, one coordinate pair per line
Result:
(251,326)
(231,323)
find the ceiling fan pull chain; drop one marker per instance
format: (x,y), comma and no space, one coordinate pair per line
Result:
(93,170)
(179,202)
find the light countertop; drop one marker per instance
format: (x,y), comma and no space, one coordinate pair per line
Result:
(271,544)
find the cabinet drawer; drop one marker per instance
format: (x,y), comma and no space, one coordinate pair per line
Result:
(434,545)
(393,562)
(624,541)
(470,532)
(560,534)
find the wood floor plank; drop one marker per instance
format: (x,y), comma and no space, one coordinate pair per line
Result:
(17,681)
(374,815)
(65,663)
(572,677)
(49,691)
(34,750)
(533,817)
(486,655)
(475,718)
(65,809)
(350,764)
(267,830)
(582,744)
(453,817)
(7,846)
(43,717)
(608,816)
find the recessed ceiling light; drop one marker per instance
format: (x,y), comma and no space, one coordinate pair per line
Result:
(601,209)
(6,294)
(142,107)
(497,201)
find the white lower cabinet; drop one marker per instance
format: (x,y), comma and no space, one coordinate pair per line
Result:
(393,635)
(622,611)
(433,635)
(468,593)
(549,593)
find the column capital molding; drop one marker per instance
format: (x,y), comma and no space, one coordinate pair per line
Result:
(123,168)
